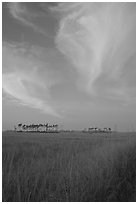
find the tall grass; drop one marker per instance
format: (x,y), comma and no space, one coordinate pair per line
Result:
(79,169)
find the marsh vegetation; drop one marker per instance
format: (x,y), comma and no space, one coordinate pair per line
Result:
(69,167)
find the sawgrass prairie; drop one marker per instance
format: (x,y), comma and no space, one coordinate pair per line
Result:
(73,167)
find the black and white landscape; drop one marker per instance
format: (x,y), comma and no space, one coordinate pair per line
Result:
(69,101)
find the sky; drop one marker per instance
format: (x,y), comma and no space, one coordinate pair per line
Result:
(73,64)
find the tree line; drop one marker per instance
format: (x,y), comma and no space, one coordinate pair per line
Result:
(36,128)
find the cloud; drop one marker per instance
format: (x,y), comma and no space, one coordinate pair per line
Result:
(99,39)
(25,81)
(19,11)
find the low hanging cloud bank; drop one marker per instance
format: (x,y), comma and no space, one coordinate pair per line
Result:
(99,39)
(23,81)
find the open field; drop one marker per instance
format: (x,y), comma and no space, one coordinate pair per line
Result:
(69,167)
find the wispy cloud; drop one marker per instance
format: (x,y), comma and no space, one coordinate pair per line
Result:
(20,13)
(24,80)
(99,40)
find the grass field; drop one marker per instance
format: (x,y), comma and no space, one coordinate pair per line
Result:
(73,167)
